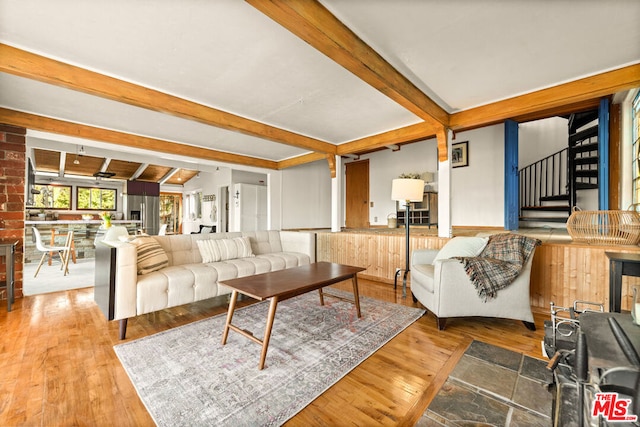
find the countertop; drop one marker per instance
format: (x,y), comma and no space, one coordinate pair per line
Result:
(82,221)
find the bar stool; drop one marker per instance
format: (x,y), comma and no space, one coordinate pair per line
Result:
(53,243)
(63,251)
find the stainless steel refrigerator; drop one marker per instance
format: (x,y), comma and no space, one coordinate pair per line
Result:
(147,210)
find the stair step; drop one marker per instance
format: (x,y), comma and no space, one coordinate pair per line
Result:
(584,148)
(586,173)
(544,219)
(585,186)
(583,134)
(590,160)
(554,208)
(558,198)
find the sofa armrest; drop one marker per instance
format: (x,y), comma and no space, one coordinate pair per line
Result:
(299,241)
(126,280)
(423,256)
(453,288)
(457,296)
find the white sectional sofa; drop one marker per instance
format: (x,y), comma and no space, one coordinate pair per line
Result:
(158,272)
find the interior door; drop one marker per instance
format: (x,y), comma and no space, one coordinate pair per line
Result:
(357,194)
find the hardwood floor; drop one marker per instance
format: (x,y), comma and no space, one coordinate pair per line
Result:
(58,366)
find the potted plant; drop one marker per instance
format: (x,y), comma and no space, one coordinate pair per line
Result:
(106,218)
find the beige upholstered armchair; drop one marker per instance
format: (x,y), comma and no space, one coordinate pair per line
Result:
(441,283)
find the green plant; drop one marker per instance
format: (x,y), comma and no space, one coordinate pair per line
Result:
(410,175)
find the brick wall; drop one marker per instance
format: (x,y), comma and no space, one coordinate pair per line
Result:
(13,149)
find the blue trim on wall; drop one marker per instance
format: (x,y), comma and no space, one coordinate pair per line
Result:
(511,204)
(603,154)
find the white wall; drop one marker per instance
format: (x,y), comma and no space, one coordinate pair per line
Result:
(478,189)
(541,138)
(306,196)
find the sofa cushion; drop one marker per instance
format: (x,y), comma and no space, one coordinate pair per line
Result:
(462,247)
(151,256)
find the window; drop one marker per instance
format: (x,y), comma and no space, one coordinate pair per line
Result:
(97,198)
(52,196)
(635,119)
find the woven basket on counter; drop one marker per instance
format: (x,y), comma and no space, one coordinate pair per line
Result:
(605,227)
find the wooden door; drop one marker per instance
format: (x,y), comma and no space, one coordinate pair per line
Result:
(357,194)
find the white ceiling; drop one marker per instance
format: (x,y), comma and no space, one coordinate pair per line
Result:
(228,55)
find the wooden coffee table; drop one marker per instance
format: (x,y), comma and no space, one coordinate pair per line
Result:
(283,284)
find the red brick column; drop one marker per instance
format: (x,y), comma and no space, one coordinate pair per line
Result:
(13,148)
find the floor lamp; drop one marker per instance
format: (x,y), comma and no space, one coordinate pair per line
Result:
(406,190)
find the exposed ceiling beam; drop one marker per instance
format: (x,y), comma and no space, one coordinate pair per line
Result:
(63,160)
(314,24)
(300,160)
(169,175)
(139,171)
(29,65)
(582,90)
(412,133)
(32,121)
(105,164)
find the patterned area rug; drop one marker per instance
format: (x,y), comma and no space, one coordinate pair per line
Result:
(491,386)
(185,376)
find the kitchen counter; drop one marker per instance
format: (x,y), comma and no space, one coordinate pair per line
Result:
(84,234)
(79,221)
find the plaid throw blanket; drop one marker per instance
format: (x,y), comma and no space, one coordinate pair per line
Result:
(499,263)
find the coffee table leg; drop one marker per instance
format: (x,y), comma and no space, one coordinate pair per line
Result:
(321,296)
(232,307)
(356,296)
(267,331)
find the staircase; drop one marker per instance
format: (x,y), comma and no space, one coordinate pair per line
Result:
(549,187)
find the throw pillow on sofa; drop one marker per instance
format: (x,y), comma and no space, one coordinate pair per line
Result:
(151,256)
(208,250)
(238,247)
(462,247)
(214,250)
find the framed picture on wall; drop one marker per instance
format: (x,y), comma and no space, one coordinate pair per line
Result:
(460,154)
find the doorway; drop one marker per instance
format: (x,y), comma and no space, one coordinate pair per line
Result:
(357,194)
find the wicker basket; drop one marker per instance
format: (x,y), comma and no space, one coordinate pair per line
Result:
(605,227)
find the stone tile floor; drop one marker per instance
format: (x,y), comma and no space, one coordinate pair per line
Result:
(491,386)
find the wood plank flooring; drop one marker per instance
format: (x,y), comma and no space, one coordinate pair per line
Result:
(58,367)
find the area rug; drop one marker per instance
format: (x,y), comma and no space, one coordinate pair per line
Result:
(186,377)
(492,386)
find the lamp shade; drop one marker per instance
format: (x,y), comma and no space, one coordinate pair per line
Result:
(403,189)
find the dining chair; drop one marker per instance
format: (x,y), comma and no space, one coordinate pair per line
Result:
(63,251)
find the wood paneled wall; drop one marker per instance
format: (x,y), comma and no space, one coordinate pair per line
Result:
(561,272)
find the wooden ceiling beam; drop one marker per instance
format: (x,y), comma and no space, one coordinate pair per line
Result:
(556,97)
(46,124)
(300,160)
(313,23)
(412,133)
(29,65)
